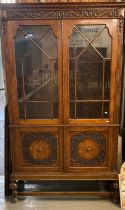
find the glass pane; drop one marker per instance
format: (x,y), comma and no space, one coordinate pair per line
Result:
(72,109)
(21,109)
(39,110)
(107,80)
(89,80)
(88,110)
(77,44)
(19,79)
(72,79)
(103,42)
(89,71)
(36,70)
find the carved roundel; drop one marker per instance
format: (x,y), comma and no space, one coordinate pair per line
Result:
(88,149)
(39,148)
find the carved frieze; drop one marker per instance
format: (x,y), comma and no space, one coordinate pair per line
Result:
(88,149)
(63,13)
(39,148)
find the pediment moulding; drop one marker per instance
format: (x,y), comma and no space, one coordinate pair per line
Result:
(63,10)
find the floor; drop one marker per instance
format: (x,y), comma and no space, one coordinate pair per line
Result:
(58,204)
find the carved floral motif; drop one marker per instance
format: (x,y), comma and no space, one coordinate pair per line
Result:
(62,14)
(39,148)
(88,149)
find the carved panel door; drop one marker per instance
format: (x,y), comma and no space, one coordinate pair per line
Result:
(90,64)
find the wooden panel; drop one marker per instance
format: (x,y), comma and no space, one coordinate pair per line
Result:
(89,149)
(37,149)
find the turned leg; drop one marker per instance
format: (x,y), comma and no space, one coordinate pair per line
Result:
(13,187)
(116,191)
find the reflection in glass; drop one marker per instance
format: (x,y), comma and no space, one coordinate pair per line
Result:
(89,71)
(85,110)
(36,70)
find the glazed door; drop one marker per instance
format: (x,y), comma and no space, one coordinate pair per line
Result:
(36,64)
(90,64)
